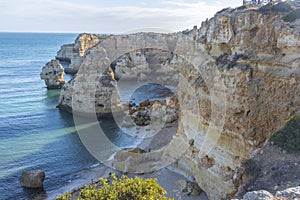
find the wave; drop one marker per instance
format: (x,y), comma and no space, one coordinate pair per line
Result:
(16,63)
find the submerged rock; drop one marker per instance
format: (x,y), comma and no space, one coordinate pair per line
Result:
(53,75)
(32,178)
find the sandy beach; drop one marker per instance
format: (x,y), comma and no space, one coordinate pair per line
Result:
(167,177)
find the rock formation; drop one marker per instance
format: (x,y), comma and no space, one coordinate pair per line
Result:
(289,193)
(146,111)
(254,56)
(53,74)
(159,66)
(157,69)
(32,178)
(74,53)
(92,89)
(188,188)
(238,82)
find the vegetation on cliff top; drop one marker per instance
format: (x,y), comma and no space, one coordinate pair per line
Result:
(121,189)
(288,138)
(292,16)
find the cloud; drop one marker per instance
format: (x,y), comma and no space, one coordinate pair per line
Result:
(76,16)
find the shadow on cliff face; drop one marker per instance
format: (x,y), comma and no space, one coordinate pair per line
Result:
(290,9)
(288,138)
(147,65)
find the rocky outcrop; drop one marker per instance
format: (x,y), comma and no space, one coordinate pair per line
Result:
(90,92)
(142,115)
(247,69)
(53,75)
(32,178)
(238,82)
(74,53)
(290,193)
(98,60)
(152,65)
(188,188)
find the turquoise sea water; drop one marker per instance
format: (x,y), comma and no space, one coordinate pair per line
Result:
(33,132)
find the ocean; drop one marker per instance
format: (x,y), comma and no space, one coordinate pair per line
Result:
(34,134)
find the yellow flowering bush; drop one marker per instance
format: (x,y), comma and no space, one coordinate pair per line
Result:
(124,188)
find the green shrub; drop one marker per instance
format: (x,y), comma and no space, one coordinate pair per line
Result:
(292,16)
(121,189)
(288,138)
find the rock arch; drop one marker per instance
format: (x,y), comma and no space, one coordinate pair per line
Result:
(233,68)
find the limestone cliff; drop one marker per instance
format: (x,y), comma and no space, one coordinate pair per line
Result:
(238,82)
(133,63)
(74,53)
(92,89)
(147,65)
(250,65)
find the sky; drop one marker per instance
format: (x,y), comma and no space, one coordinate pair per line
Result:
(106,16)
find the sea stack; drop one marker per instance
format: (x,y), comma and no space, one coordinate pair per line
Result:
(53,74)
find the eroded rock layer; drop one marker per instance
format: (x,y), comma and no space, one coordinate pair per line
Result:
(238,82)
(249,64)
(74,53)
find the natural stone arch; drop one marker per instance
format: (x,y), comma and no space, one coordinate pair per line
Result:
(91,77)
(96,64)
(93,73)
(148,65)
(261,79)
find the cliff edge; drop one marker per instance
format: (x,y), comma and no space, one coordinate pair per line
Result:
(238,82)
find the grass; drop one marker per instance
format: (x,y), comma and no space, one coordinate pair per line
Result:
(288,138)
(292,16)
(282,7)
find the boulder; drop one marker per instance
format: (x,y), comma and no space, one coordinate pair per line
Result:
(290,193)
(182,185)
(32,178)
(258,195)
(189,188)
(53,75)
